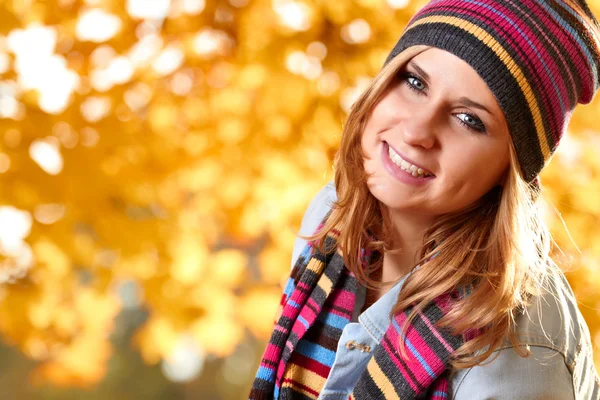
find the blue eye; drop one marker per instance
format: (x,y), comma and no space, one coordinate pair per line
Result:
(415,84)
(475,123)
(412,81)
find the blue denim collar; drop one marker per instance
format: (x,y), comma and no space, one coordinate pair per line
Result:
(376,318)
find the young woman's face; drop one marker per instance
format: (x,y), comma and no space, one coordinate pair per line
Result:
(440,120)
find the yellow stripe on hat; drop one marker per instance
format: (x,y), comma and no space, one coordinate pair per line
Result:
(512,66)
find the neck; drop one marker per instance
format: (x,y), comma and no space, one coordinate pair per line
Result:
(408,232)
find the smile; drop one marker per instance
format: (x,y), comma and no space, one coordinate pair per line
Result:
(404,175)
(404,165)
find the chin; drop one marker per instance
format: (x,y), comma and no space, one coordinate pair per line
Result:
(389,196)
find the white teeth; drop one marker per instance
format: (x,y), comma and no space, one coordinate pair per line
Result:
(405,165)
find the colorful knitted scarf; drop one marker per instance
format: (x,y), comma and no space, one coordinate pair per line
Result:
(317,303)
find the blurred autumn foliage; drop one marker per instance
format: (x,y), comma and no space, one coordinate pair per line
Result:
(156,157)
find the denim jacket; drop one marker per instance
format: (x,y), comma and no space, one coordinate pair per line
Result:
(560,365)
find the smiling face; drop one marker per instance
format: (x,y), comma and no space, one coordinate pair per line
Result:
(440,116)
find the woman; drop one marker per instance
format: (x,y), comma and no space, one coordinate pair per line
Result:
(428,274)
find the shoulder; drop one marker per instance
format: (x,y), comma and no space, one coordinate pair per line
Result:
(553,320)
(560,365)
(541,375)
(316,210)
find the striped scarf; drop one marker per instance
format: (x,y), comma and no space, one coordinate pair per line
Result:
(317,303)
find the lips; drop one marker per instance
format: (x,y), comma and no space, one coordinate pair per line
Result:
(408,160)
(400,174)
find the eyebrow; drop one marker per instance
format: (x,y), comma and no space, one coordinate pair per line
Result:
(468,102)
(419,70)
(464,100)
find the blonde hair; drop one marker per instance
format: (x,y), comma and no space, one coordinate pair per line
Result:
(500,244)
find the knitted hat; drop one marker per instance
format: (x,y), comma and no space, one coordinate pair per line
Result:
(539,58)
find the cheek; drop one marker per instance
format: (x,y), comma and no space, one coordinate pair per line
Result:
(471,177)
(370,138)
(369,147)
(490,166)
(378,121)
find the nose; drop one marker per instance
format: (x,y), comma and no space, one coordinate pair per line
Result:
(421,127)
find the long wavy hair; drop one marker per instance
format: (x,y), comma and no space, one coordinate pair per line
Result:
(500,245)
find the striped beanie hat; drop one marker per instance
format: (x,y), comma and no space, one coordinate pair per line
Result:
(539,58)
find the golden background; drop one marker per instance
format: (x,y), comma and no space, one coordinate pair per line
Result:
(156,158)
